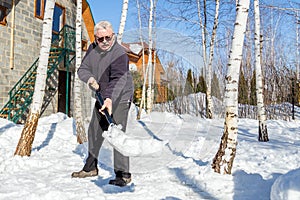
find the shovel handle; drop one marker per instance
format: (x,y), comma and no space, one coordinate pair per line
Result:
(101,101)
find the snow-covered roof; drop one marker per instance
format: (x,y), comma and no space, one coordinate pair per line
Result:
(135,48)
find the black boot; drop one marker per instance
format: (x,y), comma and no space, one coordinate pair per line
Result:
(122,179)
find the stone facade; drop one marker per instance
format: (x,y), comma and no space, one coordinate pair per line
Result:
(27,40)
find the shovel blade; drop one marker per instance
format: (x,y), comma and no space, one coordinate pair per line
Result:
(132,146)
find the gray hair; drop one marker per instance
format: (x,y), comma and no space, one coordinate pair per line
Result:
(103,25)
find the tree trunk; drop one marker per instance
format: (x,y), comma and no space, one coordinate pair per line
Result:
(262,130)
(80,130)
(209,104)
(150,66)
(122,21)
(297,56)
(154,50)
(203,32)
(28,132)
(142,104)
(223,160)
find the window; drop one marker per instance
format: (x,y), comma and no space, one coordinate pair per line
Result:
(39,8)
(58,21)
(3,15)
(58,18)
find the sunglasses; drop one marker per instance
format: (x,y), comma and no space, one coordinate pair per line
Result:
(106,38)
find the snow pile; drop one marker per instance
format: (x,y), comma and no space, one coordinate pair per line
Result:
(287,186)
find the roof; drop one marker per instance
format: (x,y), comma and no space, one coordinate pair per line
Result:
(88,19)
(135,47)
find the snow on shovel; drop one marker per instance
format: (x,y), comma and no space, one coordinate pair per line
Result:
(126,144)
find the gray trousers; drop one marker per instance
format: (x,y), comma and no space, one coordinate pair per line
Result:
(99,124)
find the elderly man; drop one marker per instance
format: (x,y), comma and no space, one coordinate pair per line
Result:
(106,68)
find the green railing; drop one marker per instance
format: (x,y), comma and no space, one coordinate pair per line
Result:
(65,39)
(20,96)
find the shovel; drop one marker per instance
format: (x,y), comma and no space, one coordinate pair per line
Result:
(128,145)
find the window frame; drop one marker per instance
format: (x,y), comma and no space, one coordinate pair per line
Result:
(42,9)
(62,22)
(4,10)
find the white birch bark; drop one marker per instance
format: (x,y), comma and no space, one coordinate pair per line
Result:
(297,49)
(154,50)
(80,131)
(209,104)
(202,27)
(142,104)
(297,56)
(262,130)
(203,31)
(122,20)
(28,132)
(149,65)
(223,161)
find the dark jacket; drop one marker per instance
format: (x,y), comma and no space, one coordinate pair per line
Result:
(110,69)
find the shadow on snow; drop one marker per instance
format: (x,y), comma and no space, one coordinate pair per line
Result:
(48,138)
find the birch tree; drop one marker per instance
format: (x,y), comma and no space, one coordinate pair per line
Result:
(262,130)
(297,56)
(154,49)
(223,160)
(80,131)
(123,20)
(28,132)
(203,35)
(144,69)
(203,32)
(208,64)
(149,65)
(209,104)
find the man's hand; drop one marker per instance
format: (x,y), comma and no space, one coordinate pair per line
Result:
(92,83)
(107,105)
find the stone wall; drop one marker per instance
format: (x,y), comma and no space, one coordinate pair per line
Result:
(28,33)
(26,45)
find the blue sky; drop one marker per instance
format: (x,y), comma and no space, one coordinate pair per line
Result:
(111,10)
(107,10)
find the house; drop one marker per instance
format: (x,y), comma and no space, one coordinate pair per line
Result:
(20,39)
(135,53)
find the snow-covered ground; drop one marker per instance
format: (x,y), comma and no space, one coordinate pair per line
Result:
(261,170)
